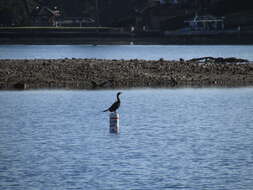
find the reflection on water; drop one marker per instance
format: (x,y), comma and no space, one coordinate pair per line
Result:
(170,139)
(148,52)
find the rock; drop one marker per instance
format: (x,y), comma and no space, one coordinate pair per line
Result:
(161,60)
(218,60)
(181,60)
(19,86)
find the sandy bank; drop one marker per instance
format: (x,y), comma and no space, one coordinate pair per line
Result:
(102,74)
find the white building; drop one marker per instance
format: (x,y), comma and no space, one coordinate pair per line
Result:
(206,23)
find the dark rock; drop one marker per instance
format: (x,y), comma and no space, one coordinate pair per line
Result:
(173,82)
(161,60)
(219,60)
(19,86)
(181,60)
(95,85)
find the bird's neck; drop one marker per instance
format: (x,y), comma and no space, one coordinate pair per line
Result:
(118,98)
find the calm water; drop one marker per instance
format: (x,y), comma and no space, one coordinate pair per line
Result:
(149,52)
(194,139)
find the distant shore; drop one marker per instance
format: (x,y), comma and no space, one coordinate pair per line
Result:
(105,35)
(109,74)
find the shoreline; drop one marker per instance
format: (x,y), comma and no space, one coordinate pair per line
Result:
(104,35)
(127,40)
(22,74)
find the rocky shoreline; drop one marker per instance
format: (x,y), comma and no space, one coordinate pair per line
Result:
(108,74)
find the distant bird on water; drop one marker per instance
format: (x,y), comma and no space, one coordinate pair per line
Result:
(115,105)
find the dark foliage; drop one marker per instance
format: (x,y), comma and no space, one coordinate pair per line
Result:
(109,12)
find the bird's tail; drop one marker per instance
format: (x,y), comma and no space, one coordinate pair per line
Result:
(106,110)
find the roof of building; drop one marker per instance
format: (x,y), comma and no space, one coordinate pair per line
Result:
(205,18)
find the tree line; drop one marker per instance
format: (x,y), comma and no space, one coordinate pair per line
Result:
(19,12)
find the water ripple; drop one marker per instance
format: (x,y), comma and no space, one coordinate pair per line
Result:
(194,139)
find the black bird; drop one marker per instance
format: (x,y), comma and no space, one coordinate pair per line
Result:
(115,105)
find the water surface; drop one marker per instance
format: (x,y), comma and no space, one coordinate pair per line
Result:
(148,52)
(194,139)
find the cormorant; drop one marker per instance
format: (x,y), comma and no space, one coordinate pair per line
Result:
(115,105)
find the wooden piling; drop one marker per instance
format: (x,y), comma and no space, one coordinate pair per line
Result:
(114,122)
